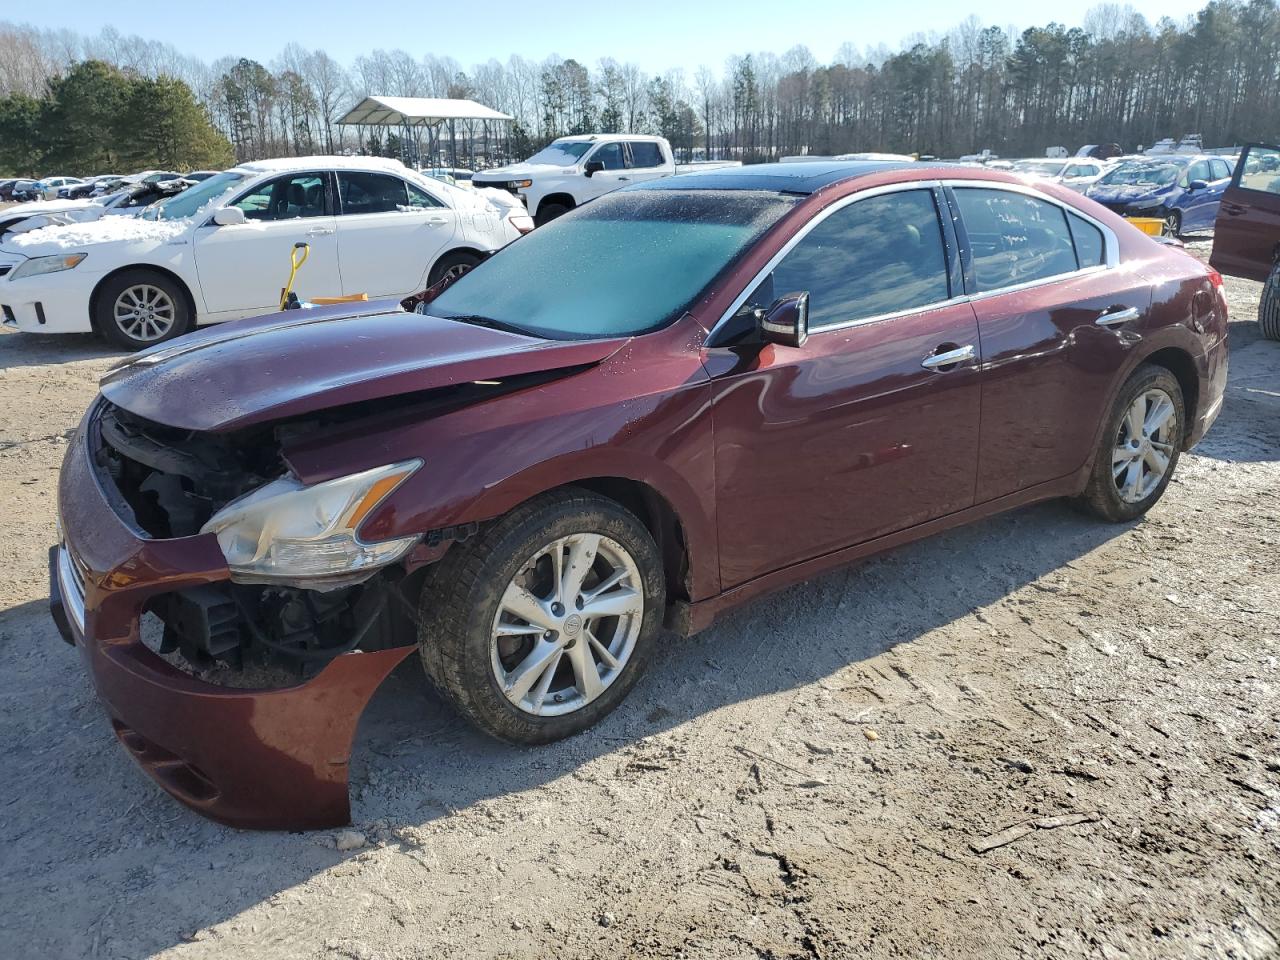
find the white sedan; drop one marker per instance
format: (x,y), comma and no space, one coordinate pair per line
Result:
(220,250)
(1076,172)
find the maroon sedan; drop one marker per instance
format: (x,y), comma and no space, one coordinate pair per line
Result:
(670,401)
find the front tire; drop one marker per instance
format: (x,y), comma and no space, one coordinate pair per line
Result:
(1140,446)
(1269,305)
(1172,226)
(550,211)
(139,308)
(541,625)
(452,265)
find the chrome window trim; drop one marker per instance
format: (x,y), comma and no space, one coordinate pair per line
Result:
(1111,246)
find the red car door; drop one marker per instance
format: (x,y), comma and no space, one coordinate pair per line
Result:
(1054,309)
(872,425)
(1246,235)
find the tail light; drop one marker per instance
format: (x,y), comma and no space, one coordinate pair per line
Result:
(521,221)
(1215,278)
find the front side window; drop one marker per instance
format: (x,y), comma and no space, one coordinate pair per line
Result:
(1014,238)
(1221,169)
(1197,171)
(610,155)
(627,263)
(1261,169)
(284,198)
(371,192)
(645,154)
(879,255)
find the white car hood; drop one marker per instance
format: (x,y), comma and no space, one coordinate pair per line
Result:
(53,240)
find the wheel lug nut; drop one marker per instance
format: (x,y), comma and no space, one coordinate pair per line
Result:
(578,603)
(557,609)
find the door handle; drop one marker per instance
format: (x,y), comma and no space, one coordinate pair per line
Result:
(1117,317)
(1234,209)
(319,231)
(948,358)
(436,221)
(624,178)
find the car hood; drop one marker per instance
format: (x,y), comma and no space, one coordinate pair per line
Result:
(1124,193)
(519,170)
(58,239)
(298,362)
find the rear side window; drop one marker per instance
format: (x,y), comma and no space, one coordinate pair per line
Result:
(371,192)
(876,256)
(1091,250)
(1261,169)
(645,154)
(1014,238)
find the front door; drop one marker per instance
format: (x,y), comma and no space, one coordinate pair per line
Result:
(1042,278)
(1246,237)
(243,267)
(614,175)
(390,231)
(865,429)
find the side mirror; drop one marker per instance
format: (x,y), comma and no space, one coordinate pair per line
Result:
(593,167)
(786,323)
(1198,185)
(228,216)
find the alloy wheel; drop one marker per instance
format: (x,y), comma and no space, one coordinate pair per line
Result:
(1144,445)
(567,624)
(457,270)
(1172,225)
(144,312)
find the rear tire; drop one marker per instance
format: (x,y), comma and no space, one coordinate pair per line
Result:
(477,642)
(136,309)
(1145,429)
(452,264)
(1269,305)
(550,211)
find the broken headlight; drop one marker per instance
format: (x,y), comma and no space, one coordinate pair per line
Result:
(287,531)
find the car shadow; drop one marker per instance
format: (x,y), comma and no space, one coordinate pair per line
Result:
(91,826)
(19,349)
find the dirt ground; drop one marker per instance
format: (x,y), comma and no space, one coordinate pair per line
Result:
(812,778)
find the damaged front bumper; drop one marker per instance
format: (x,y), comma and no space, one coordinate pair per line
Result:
(259,759)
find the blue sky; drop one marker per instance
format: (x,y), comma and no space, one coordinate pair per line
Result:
(656,34)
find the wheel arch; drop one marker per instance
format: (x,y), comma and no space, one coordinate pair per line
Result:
(183,286)
(659,517)
(1183,367)
(563,199)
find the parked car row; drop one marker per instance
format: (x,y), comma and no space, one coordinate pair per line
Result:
(621,420)
(218,250)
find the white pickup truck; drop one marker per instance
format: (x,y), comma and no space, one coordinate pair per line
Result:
(572,170)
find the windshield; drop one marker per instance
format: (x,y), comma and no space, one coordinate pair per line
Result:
(188,202)
(1142,175)
(625,264)
(1044,168)
(562,153)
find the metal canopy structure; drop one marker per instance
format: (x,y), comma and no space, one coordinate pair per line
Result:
(413,114)
(416,112)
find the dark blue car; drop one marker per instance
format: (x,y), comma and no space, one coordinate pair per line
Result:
(1182,190)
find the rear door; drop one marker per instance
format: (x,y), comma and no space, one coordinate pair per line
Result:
(1246,236)
(243,267)
(1054,310)
(867,428)
(390,231)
